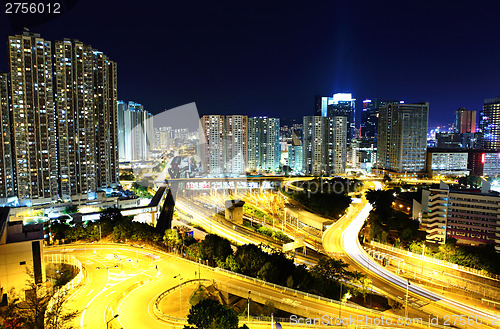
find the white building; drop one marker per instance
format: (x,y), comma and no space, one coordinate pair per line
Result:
(324,145)
(135,132)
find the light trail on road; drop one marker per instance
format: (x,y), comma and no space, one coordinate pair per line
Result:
(349,243)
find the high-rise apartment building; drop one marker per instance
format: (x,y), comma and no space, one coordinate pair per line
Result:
(163,138)
(86,116)
(106,118)
(490,124)
(465,121)
(32,119)
(341,104)
(402,142)
(264,150)
(236,144)
(135,131)
(324,145)
(74,103)
(213,147)
(6,170)
(62,115)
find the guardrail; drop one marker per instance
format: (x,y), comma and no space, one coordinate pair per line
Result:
(168,291)
(75,282)
(176,320)
(437,261)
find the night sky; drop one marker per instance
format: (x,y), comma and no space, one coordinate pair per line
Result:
(271,57)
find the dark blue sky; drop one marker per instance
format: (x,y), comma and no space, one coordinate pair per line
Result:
(271,57)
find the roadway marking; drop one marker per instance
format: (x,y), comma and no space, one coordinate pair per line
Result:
(88,304)
(109,293)
(90,292)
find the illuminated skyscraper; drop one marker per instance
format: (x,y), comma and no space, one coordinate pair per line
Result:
(402,143)
(85,90)
(369,117)
(106,118)
(32,120)
(135,131)
(236,144)
(74,91)
(6,172)
(490,124)
(465,121)
(264,150)
(213,148)
(341,104)
(324,145)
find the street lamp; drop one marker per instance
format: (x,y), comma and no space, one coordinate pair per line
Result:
(107,323)
(423,253)
(180,291)
(248,315)
(406,306)
(340,299)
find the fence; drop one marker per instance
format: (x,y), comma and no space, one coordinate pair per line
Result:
(311,297)
(76,281)
(437,261)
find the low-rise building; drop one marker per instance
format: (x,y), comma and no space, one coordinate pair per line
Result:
(21,252)
(446,163)
(472,217)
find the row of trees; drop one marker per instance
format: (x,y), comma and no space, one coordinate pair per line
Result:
(111,223)
(276,267)
(482,257)
(251,260)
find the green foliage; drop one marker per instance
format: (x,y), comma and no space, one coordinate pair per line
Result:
(129,230)
(268,273)
(252,211)
(383,218)
(215,249)
(208,314)
(328,198)
(481,257)
(470,181)
(274,234)
(141,191)
(70,209)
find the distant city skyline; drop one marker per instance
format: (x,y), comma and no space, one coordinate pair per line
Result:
(272,58)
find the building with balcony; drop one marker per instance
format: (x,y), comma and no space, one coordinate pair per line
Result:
(471,217)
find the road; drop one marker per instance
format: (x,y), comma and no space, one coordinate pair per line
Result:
(342,237)
(126,281)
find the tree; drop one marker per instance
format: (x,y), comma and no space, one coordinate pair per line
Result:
(471,180)
(268,273)
(331,268)
(33,312)
(71,209)
(210,314)
(215,248)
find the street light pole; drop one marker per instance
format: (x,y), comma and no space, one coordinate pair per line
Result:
(423,253)
(340,308)
(248,314)
(180,291)
(406,306)
(107,323)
